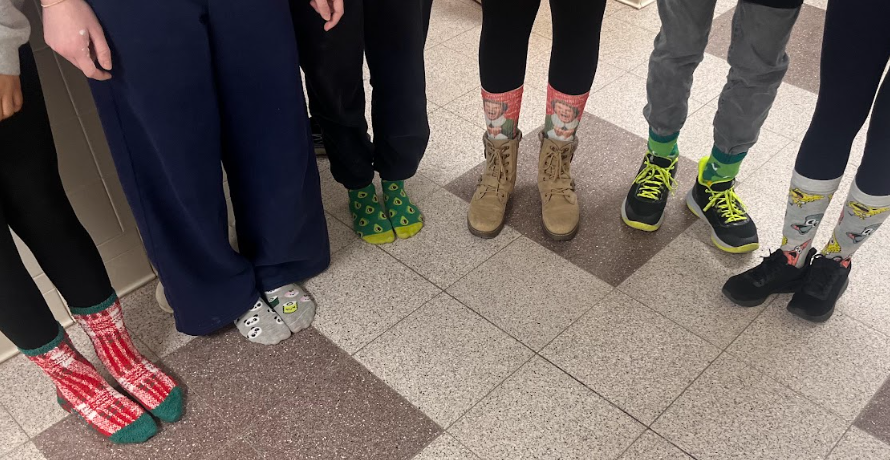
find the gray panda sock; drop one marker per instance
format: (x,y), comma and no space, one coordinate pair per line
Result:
(807,201)
(293,305)
(262,325)
(861,217)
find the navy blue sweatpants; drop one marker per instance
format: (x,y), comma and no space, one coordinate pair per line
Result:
(196,84)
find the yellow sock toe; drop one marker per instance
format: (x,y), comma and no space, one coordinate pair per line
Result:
(409,230)
(380,238)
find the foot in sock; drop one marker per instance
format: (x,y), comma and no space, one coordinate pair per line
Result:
(293,305)
(155,390)
(732,229)
(807,201)
(262,325)
(643,208)
(404,216)
(825,283)
(368,218)
(776,274)
(81,390)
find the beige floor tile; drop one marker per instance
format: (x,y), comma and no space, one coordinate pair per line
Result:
(340,234)
(444,358)
(859,445)
(630,355)
(791,112)
(455,147)
(11,435)
(451,18)
(690,293)
(449,74)
(444,251)
(29,396)
(530,292)
(651,446)
(27,451)
(445,447)
(540,412)
(153,327)
(866,298)
(364,293)
(646,18)
(733,412)
(839,364)
(624,45)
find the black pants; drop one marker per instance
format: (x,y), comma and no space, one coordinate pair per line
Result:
(855,52)
(506,27)
(34,205)
(392,34)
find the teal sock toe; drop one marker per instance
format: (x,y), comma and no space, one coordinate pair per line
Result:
(143,429)
(170,410)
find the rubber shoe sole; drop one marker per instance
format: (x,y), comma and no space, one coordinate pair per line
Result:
(561,236)
(638,225)
(744,249)
(800,313)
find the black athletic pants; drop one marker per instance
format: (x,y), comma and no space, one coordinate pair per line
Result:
(34,205)
(392,34)
(506,27)
(855,52)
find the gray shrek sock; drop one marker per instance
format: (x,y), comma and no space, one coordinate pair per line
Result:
(262,325)
(293,305)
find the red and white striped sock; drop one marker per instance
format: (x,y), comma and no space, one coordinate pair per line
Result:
(140,378)
(81,389)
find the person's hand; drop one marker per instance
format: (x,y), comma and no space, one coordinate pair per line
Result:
(330,10)
(10,96)
(72,30)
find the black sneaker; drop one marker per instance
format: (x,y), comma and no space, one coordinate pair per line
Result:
(317,139)
(732,229)
(773,276)
(643,209)
(824,284)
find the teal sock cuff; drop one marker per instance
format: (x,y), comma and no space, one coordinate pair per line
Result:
(46,348)
(726,158)
(95,308)
(663,139)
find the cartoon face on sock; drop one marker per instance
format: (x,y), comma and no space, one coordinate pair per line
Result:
(798,197)
(865,233)
(809,224)
(291,294)
(495,118)
(565,120)
(305,298)
(257,306)
(249,322)
(255,332)
(278,320)
(864,211)
(290,307)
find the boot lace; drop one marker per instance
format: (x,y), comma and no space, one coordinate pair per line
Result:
(556,167)
(654,180)
(495,167)
(728,204)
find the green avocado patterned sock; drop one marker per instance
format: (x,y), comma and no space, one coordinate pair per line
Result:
(368,218)
(721,167)
(406,219)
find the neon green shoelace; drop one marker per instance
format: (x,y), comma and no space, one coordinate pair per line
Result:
(728,204)
(653,179)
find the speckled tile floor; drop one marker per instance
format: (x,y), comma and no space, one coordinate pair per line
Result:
(519,347)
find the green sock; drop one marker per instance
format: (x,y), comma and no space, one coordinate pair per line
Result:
(368,218)
(721,167)
(406,219)
(663,146)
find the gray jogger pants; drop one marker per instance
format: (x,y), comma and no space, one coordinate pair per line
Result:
(756,56)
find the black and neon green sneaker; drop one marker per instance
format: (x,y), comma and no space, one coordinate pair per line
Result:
(732,229)
(643,209)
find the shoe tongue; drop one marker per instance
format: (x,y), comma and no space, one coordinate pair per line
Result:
(660,161)
(722,186)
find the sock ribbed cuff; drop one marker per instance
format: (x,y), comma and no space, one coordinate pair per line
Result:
(814,185)
(725,158)
(663,146)
(95,308)
(49,346)
(856,194)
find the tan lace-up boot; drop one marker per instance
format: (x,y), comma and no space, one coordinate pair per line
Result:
(559,204)
(485,218)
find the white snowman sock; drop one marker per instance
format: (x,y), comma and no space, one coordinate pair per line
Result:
(262,325)
(293,305)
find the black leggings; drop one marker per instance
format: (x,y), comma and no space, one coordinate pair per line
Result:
(33,203)
(855,51)
(503,50)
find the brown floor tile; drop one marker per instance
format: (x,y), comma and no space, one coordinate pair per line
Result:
(804,47)
(604,167)
(298,393)
(875,418)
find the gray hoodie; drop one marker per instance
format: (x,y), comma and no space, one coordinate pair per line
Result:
(14,32)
